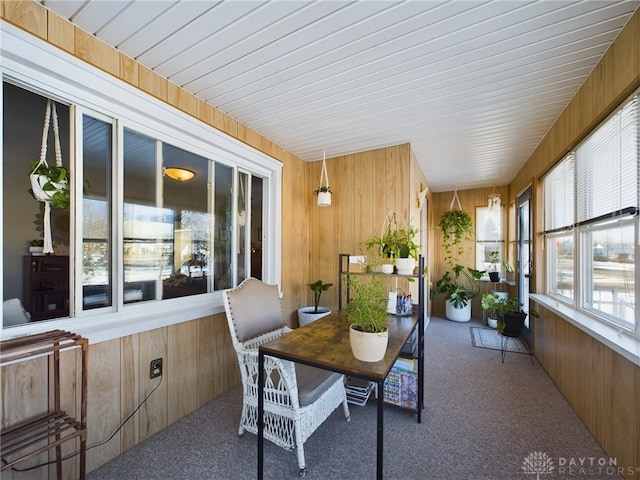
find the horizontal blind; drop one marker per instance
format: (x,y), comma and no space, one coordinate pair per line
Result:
(607,166)
(559,194)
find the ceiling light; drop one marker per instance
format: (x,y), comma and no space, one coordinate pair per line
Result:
(181,174)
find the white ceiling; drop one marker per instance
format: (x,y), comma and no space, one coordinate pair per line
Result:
(472,85)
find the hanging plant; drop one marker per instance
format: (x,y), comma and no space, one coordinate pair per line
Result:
(323,192)
(317,191)
(456,226)
(459,285)
(50,184)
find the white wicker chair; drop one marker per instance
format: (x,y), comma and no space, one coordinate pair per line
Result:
(297,398)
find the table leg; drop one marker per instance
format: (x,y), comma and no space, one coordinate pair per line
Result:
(380,433)
(260,415)
(420,366)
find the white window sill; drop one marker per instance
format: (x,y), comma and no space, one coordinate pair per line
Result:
(616,338)
(100,326)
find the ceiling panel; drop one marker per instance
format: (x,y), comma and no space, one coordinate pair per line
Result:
(472,85)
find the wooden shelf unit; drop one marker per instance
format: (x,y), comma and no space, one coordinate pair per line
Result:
(26,439)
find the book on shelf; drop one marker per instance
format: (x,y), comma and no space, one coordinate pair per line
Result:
(405,364)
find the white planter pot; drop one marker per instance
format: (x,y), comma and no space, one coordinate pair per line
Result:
(500,294)
(405,266)
(492,322)
(387,268)
(368,347)
(39,181)
(36,250)
(306,314)
(458,314)
(324,199)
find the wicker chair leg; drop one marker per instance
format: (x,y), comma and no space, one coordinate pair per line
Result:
(345,407)
(300,451)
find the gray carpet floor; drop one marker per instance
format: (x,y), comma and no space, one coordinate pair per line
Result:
(483,419)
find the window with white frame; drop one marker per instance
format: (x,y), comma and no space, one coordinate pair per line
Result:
(133,236)
(490,239)
(591,221)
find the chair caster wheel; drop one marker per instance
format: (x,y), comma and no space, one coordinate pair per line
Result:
(303,471)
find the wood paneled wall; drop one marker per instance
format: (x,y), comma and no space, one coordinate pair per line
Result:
(366,186)
(199,363)
(601,385)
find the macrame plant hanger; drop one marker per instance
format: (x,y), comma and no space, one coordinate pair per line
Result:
(38,181)
(455,199)
(324,192)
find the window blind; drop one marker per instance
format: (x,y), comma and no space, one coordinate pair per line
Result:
(559,194)
(607,167)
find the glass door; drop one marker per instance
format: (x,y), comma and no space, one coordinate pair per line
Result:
(524,265)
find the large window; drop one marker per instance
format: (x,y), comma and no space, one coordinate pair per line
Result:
(591,222)
(140,245)
(490,239)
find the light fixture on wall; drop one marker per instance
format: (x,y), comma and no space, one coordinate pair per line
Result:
(494,200)
(177,173)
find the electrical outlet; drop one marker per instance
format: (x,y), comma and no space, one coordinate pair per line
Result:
(156,368)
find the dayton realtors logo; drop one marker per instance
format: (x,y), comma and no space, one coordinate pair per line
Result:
(540,464)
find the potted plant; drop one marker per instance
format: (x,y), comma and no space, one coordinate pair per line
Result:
(510,317)
(493,270)
(459,284)
(507,312)
(324,195)
(396,245)
(508,268)
(36,246)
(50,183)
(309,314)
(489,304)
(367,315)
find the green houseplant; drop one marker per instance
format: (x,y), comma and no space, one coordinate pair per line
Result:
(309,314)
(367,316)
(50,183)
(36,246)
(493,270)
(508,312)
(459,284)
(398,241)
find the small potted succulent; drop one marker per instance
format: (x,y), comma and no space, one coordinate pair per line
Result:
(36,246)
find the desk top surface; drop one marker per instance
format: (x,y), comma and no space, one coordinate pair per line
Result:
(324,343)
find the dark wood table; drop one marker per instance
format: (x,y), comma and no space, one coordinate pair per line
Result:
(324,343)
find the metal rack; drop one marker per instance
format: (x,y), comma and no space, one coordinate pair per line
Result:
(417,341)
(49,430)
